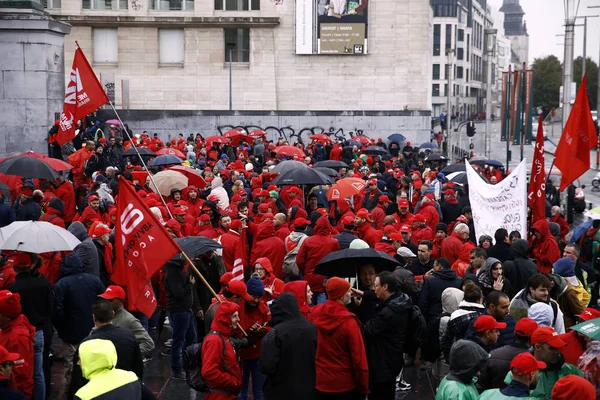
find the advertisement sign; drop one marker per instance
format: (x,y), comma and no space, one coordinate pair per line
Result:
(304,26)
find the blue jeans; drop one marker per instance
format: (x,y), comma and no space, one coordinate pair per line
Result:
(251,367)
(39,384)
(184,334)
(318,298)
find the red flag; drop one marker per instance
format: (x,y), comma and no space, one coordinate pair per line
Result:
(572,156)
(84,94)
(143,246)
(241,257)
(536,196)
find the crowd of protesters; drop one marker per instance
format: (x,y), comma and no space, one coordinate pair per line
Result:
(489,317)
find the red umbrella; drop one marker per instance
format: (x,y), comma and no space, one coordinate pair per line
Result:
(362,139)
(236,140)
(194,177)
(345,188)
(216,139)
(289,151)
(233,133)
(54,163)
(257,133)
(171,151)
(320,136)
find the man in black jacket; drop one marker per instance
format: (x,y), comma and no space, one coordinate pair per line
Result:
(287,355)
(500,250)
(345,237)
(520,268)
(385,337)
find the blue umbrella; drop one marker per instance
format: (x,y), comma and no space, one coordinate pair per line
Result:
(396,137)
(166,159)
(428,145)
(375,151)
(491,163)
(581,230)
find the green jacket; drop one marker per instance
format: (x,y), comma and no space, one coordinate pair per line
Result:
(98,359)
(547,379)
(495,394)
(454,390)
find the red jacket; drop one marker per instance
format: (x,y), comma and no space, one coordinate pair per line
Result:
(436,252)
(386,248)
(229,242)
(460,266)
(53,216)
(545,249)
(369,234)
(451,247)
(89,215)
(206,231)
(564,225)
(7,276)
(420,234)
(298,289)
(574,348)
(282,232)
(249,316)
(403,220)
(431,214)
(221,374)
(18,337)
(341,359)
(313,249)
(377,215)
(268,245)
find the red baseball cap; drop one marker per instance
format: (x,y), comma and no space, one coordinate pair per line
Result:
(525,363)
(526,327)
(92,198)
(589,313)
(204,218)
(100,230)
(263,193)
(396,237)
(405,229)
(486,323)
(389,229)
(363,213)
(372,182)
(179,211)
(226,278)
(300,221)
(322,211)
(384,198)
(237,287)
(448,191)
(348,220)
(6,356)
(420,218)
(113,292)
(547,335)
(263,207)
(403,203)
(235,224)
(430,196)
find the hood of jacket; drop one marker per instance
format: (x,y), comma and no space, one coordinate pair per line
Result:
(78,230)
(323,227)
(451,298)
(487,267)
(216,183)
(298,289)
(560,285)
(20,326)
(541,313)
(445,274)
(330,315)
(343,206)
(466,358)
(71,265)
(543,227)
(284,307)
(297,212)
(398,302)
(265,230)
(97,355)
(296,236)
(222,320)
(519,248)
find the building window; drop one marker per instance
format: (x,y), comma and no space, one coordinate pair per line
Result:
(105,45)
(436,39)
(448,36)
(103,4)
(171,47)
(468,46)
(436,71)
(435,90)
(445,89)
(172,5)
(237,5)
(237,43)
(467,74)
(460,53)
(461,35)
(446,72)
(51,3)
(459,72)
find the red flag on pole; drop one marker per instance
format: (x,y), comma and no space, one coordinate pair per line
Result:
(83,95)
(143,246)
(536,196)
(240,257)
(572,156)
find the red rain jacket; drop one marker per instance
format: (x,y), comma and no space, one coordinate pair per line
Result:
(229,241)
(451,247)
(369,234)
(313,249)
(19,338)
(268,245)
(545,249)
(249,316)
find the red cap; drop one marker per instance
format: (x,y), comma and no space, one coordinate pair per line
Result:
(322,211)
(547,335)
(348,220)
(363,213)
(237,287)
(462,218)
(204,218)
(21,258)
(389,229)
(100,230)
(405,229)
(420,218)
(589,313)
(525,363)
(396,237)
(526,327)
(448,191)
(6,356)
(179,211)
(264,193)
(573,387)
(226,278)
(486,323)
(300,221)
(372,182)
(403,203)
(263,207)
(272,187)
(430,196)
(92,198)
(336,288)
(415,172)
(384,198)
(113,292)
(235,224)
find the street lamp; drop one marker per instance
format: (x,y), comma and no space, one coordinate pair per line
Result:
(450,54)
(490,38)
(230,47)
(571,8)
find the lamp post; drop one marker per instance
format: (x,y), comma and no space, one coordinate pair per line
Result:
(450,54)
(230,47)
(597,106)
(571,8)
(490,36)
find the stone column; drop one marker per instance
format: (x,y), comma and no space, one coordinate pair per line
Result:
(32,78)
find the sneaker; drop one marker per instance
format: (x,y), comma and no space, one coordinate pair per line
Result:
(178,376)
(403,386)
(148,358)
(169,343)
(166,352)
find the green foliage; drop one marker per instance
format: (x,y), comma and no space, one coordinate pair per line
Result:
(547,79)
(591,71)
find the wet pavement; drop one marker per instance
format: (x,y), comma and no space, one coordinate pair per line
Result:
(157,377)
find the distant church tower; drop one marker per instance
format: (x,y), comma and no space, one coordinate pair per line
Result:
(516,30)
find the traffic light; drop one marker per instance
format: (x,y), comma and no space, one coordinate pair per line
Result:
(471,129)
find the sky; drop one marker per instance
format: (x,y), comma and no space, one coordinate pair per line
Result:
(545,19)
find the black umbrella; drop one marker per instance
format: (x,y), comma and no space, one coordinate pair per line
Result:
(302,176)
(194,246)
(166,159)
(460,177)
(144,151)
(491,163)
(288,165)
(331,164)
(328,171)
(375,151)
(28,167)
(435,157)
(454,168)
(345,263)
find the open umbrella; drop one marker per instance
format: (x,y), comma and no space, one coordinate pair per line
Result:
(289,151)
(362,139)
(460,177)
(375,151)
(288,165)
(144,152)
(171,151)
(113,122)
(589,328)
(167,159)
(396,137)
(345,188)
(302,176)
(257,133)
(194,177)
(345,263)
(168,180)
(55,163)
(28,167)
(230,134)
(36,237)
(435,157)
(428,145)
(216,139)
(194,246)
(454,168)
(331,164)
(328,171)
(491,163)
(319,136)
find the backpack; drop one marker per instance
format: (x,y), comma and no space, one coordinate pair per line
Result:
(417,328)
(192,365)
(290,268)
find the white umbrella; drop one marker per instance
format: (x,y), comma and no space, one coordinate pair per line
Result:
(167,180)
(36,237)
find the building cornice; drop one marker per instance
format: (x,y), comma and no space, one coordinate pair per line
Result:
(169,21)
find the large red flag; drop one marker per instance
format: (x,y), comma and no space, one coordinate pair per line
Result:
(83,95)
(143,246)
(572,156)
(240,257)
(536,196)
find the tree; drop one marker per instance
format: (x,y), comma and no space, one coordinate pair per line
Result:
(591,71)
(547,80)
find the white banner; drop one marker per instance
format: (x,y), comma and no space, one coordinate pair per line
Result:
(304,26)
(503,205)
